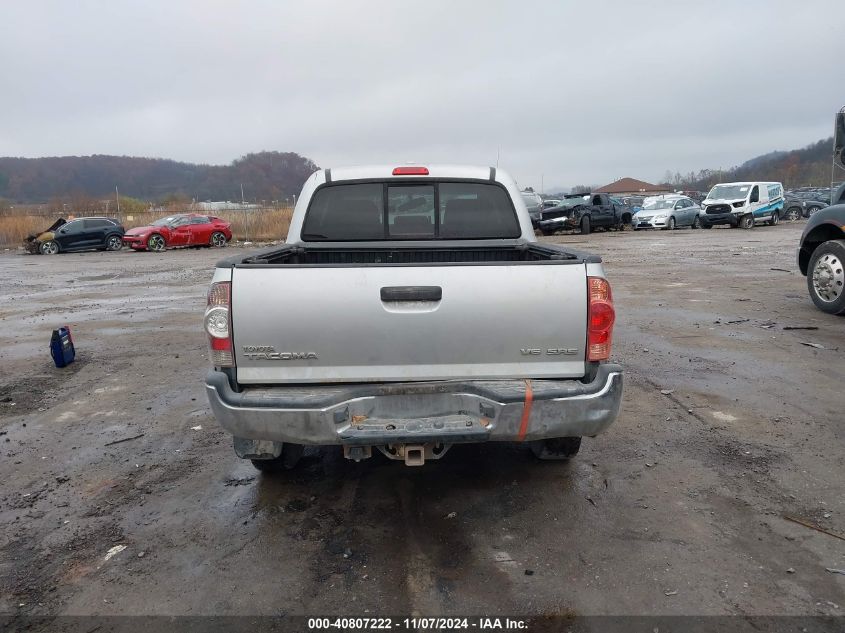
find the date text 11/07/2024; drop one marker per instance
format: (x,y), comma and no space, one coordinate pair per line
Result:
(417,624)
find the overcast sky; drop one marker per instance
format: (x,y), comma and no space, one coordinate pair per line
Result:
(573,93)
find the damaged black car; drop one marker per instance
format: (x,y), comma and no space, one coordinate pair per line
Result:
(80,234)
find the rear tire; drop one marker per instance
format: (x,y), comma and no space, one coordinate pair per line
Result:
(696,223)
(556,449)
(218,240)
(114,243)
(287,459)
(585,225)
(775,218)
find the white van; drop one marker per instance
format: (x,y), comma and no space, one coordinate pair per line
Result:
(742,204)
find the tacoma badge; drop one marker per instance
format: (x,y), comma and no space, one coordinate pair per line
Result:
(268,352)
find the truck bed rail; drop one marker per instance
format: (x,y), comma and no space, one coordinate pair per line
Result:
(416,255)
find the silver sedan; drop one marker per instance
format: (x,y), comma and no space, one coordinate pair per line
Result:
(667,213)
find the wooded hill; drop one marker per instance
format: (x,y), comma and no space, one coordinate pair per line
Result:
(265,176)
(809,166)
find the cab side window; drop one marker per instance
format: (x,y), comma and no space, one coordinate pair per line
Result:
(755,194)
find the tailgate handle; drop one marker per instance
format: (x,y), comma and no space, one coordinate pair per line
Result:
(411,293)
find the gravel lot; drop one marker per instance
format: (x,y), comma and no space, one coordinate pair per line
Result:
(729,424)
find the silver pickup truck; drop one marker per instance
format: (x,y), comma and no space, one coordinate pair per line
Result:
(410,309)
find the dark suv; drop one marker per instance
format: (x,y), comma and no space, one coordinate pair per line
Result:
(82,234)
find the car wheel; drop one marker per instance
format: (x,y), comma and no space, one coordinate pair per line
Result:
(671,226)
(747,221)
(826,277)
(155,242)
(114,243)
(585,225)
(696,223)
(218,240)
(50,247)
(793,214)
(287,459)
(775,218)
(558,448)
(810,211)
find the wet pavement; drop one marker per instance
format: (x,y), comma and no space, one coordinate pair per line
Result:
(121,495)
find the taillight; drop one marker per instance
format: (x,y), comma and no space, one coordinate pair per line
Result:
(600,318)
(218,324)
(410,171)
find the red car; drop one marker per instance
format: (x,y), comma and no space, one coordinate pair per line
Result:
(184,229)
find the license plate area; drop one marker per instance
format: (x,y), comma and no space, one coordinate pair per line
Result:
(447,429)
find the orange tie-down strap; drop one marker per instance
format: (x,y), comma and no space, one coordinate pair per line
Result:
(526,411)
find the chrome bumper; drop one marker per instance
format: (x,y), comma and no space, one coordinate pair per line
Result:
(394,413)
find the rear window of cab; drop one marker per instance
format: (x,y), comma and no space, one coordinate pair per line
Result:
(410,211)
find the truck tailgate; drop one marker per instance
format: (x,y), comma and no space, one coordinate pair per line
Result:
(400,323)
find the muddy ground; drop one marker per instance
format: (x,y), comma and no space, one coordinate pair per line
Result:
(729,424)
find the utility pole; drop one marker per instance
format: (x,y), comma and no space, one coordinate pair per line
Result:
(246,220)
(117,196)
(542,185)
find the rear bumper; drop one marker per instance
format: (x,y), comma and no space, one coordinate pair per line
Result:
(394,413)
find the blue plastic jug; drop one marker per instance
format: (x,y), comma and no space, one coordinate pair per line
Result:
(61,347)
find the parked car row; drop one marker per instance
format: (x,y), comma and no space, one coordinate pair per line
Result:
(100,233)
(817,194)
(738,204)
(811,201)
